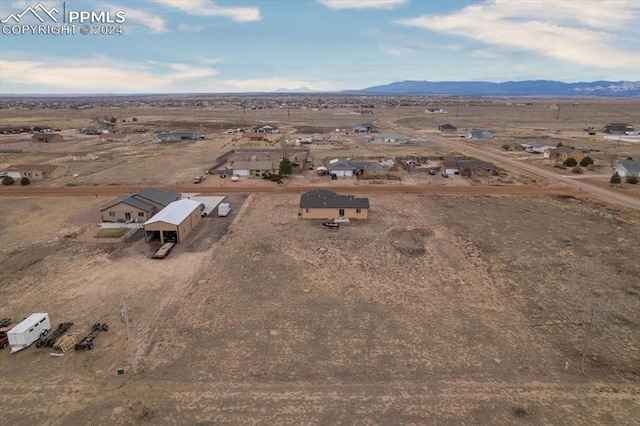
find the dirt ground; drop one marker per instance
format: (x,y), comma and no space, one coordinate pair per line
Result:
(463,310)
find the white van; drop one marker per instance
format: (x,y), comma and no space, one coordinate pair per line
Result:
(28,331)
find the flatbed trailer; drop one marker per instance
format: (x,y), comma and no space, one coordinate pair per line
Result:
(163,251)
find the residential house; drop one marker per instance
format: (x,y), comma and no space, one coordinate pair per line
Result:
(479,134)
(341,168)
(35,171)
(391,138)
(138,207)
(434,111)
(92,130)
(447,128)
(628,168)
(618,128)
(323,204)
(471,168)
(256,168)
(47,137)
(451,167)
(562,153)
(268,128)
(366,128)
(535,147)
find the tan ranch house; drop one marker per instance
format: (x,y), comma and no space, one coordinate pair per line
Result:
(35,171)
(138,207)
(323,204)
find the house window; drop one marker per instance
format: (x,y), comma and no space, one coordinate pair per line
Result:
(358,211)
(112,214)
(140,214)
(306,210)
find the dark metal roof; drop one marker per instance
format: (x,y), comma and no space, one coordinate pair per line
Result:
(158,196)
(134,202)
(320,198)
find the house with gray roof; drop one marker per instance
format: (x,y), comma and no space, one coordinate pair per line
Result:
(618,128)
(365,128)
(166,137)
(327,205)
(138,207)
(341,168)
(628,168)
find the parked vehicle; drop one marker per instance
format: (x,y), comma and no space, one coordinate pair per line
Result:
(163,251)
(432,172)
(50,339)
(445,175)
(223,209)
(4,339)
(235,178)
(199,179)
(331,224)
(87,341)
(28,331)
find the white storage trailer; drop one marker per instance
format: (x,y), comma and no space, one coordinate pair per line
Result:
(28,331)
(223,209)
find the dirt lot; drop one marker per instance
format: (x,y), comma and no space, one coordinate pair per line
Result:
(459,310)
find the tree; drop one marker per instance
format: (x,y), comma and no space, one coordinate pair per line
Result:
(559,145)
(134,119)
(25,181)
(286,168)
(586,161)
(8,180)
(630,158)
(577,170)
(570,162)
(615,179)
(632,180)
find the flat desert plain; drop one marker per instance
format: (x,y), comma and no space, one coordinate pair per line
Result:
(515,309)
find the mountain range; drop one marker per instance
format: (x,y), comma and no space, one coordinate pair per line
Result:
(508,88)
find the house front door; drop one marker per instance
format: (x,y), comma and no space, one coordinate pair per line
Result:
(341,212)
(127,216)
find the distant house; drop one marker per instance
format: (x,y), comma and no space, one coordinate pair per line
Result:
(83,155)
(618,128)
(92,130)
(323,204)
(434,111)
(256,168)
(628,168)
(165,137)
(366,128)
(473,168)
(479,134)
(447,128)
(138,207)
(535,147)
(47,137)
(268,128)
(341,168)
(562,153)
(391,138)
(35,171)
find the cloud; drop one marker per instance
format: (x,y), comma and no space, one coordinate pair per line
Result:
(98,75)
(567,31)
(155,24)
(395,50)
(209,8)
(361,4)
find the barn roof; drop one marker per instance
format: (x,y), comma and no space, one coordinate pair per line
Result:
(175,213)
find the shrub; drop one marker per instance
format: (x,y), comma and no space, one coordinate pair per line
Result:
(134,119)
(632,180)
(8,180)
(630,158)
(615,179)
(577,170)
(586,161)
(275,178)
(25,181)
(570,162)
(559,145)
(560,166)
(506,146)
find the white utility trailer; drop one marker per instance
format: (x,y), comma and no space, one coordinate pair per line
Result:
(28,331)
(223,209)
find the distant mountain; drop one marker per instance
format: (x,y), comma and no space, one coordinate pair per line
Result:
(297,90)
(509,88)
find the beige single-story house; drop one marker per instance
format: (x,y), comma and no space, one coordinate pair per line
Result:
(47,137)
(562,153)
(323,204)
(35,171)
(255,168)
(174,222)
(138,207)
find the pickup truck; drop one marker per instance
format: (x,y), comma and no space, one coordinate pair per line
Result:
(4,339)
(199,179)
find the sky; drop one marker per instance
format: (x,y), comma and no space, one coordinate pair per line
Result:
(213,46)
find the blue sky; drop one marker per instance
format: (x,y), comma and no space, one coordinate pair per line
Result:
(187,46)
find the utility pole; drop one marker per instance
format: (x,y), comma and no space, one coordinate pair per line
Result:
(558,113)
(124,316)
(586,339)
